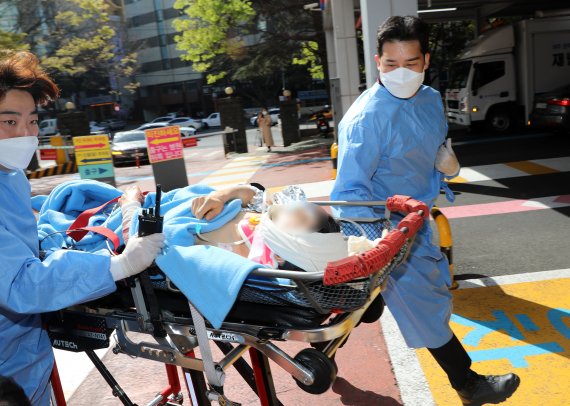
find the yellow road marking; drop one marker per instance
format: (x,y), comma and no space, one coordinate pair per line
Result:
(531,168)
(458,179)
(522,328)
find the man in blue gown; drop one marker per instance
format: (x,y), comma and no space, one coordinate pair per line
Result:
(391,142)
(29,286)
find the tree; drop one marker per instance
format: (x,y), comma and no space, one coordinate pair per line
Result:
(250,40)
(10,41)
(77,42)
(447,40)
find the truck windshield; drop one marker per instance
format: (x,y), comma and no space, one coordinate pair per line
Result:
(458,75)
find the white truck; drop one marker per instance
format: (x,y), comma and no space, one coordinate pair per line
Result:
(495,79)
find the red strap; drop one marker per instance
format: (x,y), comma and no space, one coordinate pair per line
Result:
(78,229)
(106,232)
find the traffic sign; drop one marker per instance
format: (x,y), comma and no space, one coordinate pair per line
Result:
(190,142)
(95,171)
(164,144)
(93,157)
(48,154)
(166,154)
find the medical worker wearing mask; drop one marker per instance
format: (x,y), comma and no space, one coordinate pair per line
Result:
(29,286)
(391,141)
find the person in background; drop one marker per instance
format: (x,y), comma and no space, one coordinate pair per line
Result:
(28,285)
(264,122)
(391,141)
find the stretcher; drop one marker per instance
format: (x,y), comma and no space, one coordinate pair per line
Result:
(317,308)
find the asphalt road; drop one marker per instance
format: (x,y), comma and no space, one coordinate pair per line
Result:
(517,242)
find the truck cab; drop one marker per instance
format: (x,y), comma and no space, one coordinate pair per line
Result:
(496,79)
(482,86)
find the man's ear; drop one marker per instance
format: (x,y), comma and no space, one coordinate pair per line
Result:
(377,60)
(427,57)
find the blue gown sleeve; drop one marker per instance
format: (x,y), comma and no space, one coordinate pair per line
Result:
(358,158)
(64,279)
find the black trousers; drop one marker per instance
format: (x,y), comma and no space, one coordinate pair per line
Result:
(455,361)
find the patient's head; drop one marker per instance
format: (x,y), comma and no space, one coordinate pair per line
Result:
(302,217)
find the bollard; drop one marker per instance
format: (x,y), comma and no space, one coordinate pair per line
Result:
(57,141)
(334,158)
(445,240)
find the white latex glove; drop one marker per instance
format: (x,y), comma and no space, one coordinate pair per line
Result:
(137,256)
(445,161)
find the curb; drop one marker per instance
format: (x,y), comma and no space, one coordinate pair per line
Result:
(61,169)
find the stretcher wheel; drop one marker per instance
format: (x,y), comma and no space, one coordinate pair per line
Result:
(322,367)
(374,311)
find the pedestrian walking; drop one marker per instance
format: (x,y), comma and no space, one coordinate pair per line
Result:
(264,122)
(391,141)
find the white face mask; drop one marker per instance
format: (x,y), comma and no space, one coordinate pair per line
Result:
(17,152)
(402,82)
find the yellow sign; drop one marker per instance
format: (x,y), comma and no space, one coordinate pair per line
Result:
(87,155)
(522,328)
(91,142)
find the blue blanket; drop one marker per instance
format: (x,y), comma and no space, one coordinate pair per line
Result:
(209,277)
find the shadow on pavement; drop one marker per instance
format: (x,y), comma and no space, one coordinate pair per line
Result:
(351,395)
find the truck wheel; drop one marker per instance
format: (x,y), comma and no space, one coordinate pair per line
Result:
(499,121)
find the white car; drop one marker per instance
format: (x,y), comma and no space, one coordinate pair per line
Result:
(213,120)
(95,128)
(48,127)
(274,113)
(186,122)
(163,119)
(184,131)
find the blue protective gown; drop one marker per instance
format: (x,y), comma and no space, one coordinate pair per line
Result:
(29,287)
(387,146)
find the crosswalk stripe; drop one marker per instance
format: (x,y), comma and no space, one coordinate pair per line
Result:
(512,170)
(238,170)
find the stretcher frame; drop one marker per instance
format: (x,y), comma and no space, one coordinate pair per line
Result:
(176,338)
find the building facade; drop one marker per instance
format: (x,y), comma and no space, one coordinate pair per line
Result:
(167,83)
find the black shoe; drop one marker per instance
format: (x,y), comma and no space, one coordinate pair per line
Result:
(481,389)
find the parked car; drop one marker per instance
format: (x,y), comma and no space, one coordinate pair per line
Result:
(213,120)
(127,146)
(114,124)
(48,127)
(186,122)
(552,109)
(274,113)
(163,119)
(95,128)
(184,131)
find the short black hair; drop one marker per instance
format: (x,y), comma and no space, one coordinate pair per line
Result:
(11,394)
(398,28)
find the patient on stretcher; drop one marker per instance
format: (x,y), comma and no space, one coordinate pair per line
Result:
(283,230)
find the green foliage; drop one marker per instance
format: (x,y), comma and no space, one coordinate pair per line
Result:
(248,39)
(205,34)
(80,50)
(447,40)
(308,56)
(10,41)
